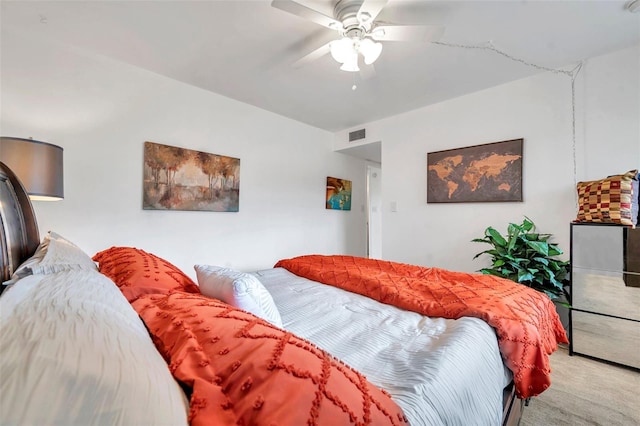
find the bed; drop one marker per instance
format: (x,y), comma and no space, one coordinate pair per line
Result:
(138,342)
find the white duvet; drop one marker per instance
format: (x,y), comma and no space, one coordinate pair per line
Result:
(439,371)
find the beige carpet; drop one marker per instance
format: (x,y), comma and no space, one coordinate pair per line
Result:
(586,392)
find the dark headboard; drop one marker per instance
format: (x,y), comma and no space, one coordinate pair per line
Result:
(19,236)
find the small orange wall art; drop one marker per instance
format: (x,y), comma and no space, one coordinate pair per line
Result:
(338,194)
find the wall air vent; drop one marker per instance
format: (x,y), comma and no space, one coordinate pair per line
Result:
(357,135)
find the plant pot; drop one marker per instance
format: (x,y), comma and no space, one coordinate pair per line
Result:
(563,309)
(563,313)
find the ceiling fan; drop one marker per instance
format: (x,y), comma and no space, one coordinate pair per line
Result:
(359,32)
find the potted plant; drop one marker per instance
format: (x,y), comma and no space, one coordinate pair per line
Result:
(527,257)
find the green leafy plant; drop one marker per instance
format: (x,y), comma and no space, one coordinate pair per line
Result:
(526,257)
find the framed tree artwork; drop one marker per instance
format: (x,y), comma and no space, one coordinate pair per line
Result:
(183,179)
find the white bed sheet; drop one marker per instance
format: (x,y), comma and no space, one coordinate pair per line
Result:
(439,371)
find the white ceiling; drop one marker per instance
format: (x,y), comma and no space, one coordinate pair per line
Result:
(244,49)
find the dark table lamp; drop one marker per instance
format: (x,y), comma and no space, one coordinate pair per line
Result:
(38,165)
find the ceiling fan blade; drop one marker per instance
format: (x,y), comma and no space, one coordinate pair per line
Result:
(407,32)
(316,54)
(372,8)
(307,13)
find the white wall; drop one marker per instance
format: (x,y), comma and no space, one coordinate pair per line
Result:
(101,112)
(538,109)
(609,115)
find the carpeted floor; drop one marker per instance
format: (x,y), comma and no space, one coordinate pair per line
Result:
(586,392)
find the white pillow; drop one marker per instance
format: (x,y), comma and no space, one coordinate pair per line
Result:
(75,352)
(54,254)
(24,269)
(238,289)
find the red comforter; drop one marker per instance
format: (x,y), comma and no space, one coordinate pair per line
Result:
(526,322)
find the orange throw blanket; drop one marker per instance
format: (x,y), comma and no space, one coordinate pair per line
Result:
(525,320)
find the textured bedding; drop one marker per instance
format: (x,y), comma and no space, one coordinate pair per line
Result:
(242,370)
(438,371)
(525,321)
(237,368)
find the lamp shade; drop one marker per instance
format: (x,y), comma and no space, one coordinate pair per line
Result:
(37,164)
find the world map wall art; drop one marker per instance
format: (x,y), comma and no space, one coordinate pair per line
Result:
(480,173)
(182,179)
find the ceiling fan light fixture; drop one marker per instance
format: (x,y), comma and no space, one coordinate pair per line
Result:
(342,49)
(370,50)
(351,64)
